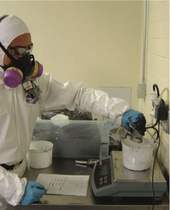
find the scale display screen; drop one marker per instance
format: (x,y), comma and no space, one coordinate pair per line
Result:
(103,169)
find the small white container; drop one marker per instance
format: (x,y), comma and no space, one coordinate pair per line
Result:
(40,154)
(137,156)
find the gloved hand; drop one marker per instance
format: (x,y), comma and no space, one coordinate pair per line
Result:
(134,119)
(33,192)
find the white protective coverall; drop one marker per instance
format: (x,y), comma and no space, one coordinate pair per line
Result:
(17,117)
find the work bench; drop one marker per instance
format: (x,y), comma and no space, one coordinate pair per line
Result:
(88,202)
(77,141)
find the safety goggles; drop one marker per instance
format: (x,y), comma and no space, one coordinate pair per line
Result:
(20,51)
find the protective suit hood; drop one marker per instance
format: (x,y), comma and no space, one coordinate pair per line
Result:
(10,28)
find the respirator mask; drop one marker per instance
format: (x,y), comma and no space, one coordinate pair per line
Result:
(23,70)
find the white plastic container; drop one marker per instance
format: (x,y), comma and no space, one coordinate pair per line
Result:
(80,139)
(137,156)
(40,154)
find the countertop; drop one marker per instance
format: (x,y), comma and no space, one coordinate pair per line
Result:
(88,202)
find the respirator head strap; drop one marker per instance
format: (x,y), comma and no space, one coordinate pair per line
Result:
(2,17)
(6,52)
(2,47)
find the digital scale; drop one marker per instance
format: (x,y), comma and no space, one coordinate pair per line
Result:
(111,178)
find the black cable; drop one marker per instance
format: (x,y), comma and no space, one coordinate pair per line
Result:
(153,168)
(156,153)
(153,126)
(157,133)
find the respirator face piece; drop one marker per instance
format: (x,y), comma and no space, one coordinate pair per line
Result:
(23,69)
(18,70)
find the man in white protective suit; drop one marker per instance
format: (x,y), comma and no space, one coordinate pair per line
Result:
(25,90)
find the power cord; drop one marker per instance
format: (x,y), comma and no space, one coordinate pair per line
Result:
(153,127)
(159,106)
(156,153)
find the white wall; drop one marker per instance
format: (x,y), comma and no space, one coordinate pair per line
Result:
(98,42)
(157,65)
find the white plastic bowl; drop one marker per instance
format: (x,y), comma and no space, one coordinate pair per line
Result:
(40,154)
(137,156)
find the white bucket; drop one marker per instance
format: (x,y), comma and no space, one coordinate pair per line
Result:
(40,154)
(137,156)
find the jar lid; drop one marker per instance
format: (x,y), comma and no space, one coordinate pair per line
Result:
(138,143)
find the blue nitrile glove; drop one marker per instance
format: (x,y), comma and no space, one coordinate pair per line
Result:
(134,119)
(33,192)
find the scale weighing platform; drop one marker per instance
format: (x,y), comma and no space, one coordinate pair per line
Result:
(111,178)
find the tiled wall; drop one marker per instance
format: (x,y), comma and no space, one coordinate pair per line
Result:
(157,66)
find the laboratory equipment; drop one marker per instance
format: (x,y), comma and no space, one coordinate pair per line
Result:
(111,178)
(40,154)
(137,153)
